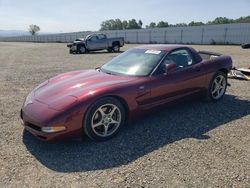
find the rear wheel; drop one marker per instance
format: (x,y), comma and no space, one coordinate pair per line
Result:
(217,87)
(104,119)
(116,47)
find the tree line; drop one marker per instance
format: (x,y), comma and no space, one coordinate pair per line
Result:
(117,24)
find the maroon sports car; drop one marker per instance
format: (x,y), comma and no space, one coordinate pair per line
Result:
(97,103)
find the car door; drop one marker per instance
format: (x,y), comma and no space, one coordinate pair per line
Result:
(102,41)
(96,43)
(92,43)
(187,79)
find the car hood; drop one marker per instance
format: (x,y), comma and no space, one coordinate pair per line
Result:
(78,41)
(66,89)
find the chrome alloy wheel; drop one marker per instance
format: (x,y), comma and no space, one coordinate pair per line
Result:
(218,87)
(106,120)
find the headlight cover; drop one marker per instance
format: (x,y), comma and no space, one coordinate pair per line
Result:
(63,102)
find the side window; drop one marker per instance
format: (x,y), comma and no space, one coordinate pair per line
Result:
(182,58)
(93,38)
(101,37)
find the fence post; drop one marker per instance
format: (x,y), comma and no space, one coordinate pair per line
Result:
(165,36)
(202,35)
(225,36)
(181,36)
(150,39)
(136,37)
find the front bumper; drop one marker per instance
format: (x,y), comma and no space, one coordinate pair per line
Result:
(35,116)
(73,48)
(69,45)
(35,129)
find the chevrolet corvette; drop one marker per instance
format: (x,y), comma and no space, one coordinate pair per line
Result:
(98,103)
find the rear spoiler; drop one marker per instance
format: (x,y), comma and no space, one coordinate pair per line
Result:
(209,53)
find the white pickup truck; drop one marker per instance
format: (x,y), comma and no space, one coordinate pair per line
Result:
(96,42)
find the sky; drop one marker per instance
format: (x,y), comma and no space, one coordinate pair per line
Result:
(83,15)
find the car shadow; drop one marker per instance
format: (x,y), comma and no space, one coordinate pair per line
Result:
(186,120)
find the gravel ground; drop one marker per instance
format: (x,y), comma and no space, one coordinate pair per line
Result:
(193,144)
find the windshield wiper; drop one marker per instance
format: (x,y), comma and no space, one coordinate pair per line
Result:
(107,72)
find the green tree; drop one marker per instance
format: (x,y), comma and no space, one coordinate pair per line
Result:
(180,25)
(132,24)
(152,25)
(162,24)
(193,23)
(117,24)
(125,24)
(140,23)
(105,25)
(243,20)
(33,29)
(221,20)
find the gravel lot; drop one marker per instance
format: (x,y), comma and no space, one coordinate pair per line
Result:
(193,144)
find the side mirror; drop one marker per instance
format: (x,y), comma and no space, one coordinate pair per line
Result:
(169,68)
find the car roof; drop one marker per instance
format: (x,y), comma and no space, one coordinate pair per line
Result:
(170,47)
(161,47)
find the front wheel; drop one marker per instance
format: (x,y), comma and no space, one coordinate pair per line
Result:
(104,119)
(217,87)
(81,49)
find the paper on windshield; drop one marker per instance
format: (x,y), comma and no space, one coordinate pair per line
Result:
(152,52)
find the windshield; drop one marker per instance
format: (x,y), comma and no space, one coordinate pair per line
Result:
(134,62)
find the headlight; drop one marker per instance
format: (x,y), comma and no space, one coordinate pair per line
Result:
(42,84)
(53,129)
(28,99)
(63,102)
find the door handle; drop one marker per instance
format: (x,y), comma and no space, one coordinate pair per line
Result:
(142,91)
(141,88)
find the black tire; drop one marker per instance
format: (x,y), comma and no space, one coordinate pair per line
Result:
(245,46)
(70,51)
(116,47)
(94,122)
(81,49)
(211,92)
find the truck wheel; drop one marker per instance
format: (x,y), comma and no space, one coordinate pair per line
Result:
(81,49)
(70,51)
(116,47)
